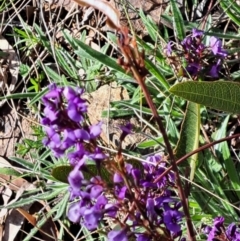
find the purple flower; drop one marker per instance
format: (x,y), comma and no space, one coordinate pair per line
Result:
(120,192)
(75,179)
(118,235)
(80,154)
(53,138)
(214,71)
(207,229)
(76,111)
(95,187)
(91,218)
(51,113)
(216,47)
(187,43)
(111,210)
(169,48)
(117,178)
(80,135)
(155,159)
(136,174)
(143,237)
(218,222)
(150,208)
(197,33)
(193,69)
(231,229)
(74,214)
(97,155)
(53,97)
(95,130)
(171,219)
(126,130)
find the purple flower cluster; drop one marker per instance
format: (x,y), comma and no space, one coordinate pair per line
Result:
(148,206)
(200,59)
(219,232)
(65,127)
(139,208)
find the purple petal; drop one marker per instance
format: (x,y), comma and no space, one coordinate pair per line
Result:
(91,218)
(197,33)
(96,190)
(74,212)
(95,130)
(117,178)
(118,235)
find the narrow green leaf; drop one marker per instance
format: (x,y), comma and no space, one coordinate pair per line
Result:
(157,73)
(22,162)
(189,135)
(150,143)
(51,73)
(10,172)
(229,7)
(38,96)
(18,96)
(224,155)
(62,206)
(220,95)
(178,23)
(227,35)
(93,54)
(150,25)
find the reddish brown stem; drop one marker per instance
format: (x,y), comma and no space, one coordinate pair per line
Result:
(182,159)
(130,61)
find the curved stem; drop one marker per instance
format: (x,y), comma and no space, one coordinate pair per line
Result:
(194,152)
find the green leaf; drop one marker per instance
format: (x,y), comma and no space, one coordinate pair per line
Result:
(61,173)
(96,55)
(38,96)
(189,135)
(178,23)
(220,95)
(9,171)
(62,206)
(224,155)
(157,73)
(150,25)
(150,143)
(232,9)
(18,96)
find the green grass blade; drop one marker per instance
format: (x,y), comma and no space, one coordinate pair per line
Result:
(230,7)
(18,96)
(224,154)
(93,54)
(155,72)
(178,23)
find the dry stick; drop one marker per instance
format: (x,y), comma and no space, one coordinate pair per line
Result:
(194,152)
(142,84)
